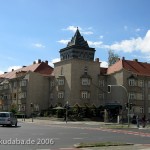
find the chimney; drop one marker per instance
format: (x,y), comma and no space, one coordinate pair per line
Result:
(39,61)
(46,62)
(123,58)
(135,60)
(97,59)
(34,62)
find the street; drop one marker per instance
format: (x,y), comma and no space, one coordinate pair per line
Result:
(36,136)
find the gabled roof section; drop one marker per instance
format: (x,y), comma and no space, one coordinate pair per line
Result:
(139,68)
(78,40)
(42,68)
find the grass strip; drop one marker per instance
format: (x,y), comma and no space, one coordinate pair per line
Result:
(100,144)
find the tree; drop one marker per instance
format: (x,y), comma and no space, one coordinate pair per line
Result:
(112,57)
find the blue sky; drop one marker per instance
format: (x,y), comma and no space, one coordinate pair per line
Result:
(38,29)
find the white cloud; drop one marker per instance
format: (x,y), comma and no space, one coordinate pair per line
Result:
(63,41)
(38,45)
(83,31)
(72,28)
(1,72)
(13,67)
(125,28)
(51,63)
(135,44)
(138,30)
(104,64)
(97,44)
(101,36)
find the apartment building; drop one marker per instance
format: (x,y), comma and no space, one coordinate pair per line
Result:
(25,86)
(78,80)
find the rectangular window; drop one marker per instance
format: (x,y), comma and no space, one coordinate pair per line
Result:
(14,95)
(132,82)
(6,86)
(51,96)
(61,94)
(148,84)
(52,83)
(23,83)
(140,96)
(141,110)
(22,95)
(101,95)
(149,110)
(15,84)
(61,82)
(132,95)
(141,83)
(85,94)
(85,81)
(1,87)
(101,83)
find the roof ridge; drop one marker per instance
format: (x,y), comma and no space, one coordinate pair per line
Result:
(130,65)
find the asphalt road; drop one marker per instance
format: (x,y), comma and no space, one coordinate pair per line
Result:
(33,136)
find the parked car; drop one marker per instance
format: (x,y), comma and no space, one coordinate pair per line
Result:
(8,118)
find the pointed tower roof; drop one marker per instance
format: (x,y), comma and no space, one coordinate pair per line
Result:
(77,48)
(78,40)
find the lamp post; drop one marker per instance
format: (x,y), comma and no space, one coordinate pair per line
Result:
(31,105)
(128,101)
(67,107)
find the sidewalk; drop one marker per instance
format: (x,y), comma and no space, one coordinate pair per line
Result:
(47,120)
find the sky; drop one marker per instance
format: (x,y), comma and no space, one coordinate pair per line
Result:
(38,29)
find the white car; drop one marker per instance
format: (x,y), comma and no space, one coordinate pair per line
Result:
(8,118)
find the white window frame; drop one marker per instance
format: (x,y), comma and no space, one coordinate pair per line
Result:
(132,95)
(61,81)
(101,96)
(141,83)
(61,94)
(141,110)
(86,81)
(132,82)
(23,83)
(101,83)
(85,95)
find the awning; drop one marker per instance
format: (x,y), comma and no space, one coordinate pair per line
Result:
(112,106)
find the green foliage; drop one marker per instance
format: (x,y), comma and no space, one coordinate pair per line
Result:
(13,108)
(112,57)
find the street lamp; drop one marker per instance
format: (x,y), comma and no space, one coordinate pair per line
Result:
(67,107)
(109,90)
(31,105)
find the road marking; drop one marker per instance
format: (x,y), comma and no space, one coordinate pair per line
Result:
(78,138)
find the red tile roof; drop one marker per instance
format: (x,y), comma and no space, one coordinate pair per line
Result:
(139,68)
(42,68)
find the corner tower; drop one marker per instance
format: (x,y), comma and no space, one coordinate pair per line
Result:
(77,48)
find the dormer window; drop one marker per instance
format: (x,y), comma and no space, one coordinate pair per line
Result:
(132,82)
(85,70)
